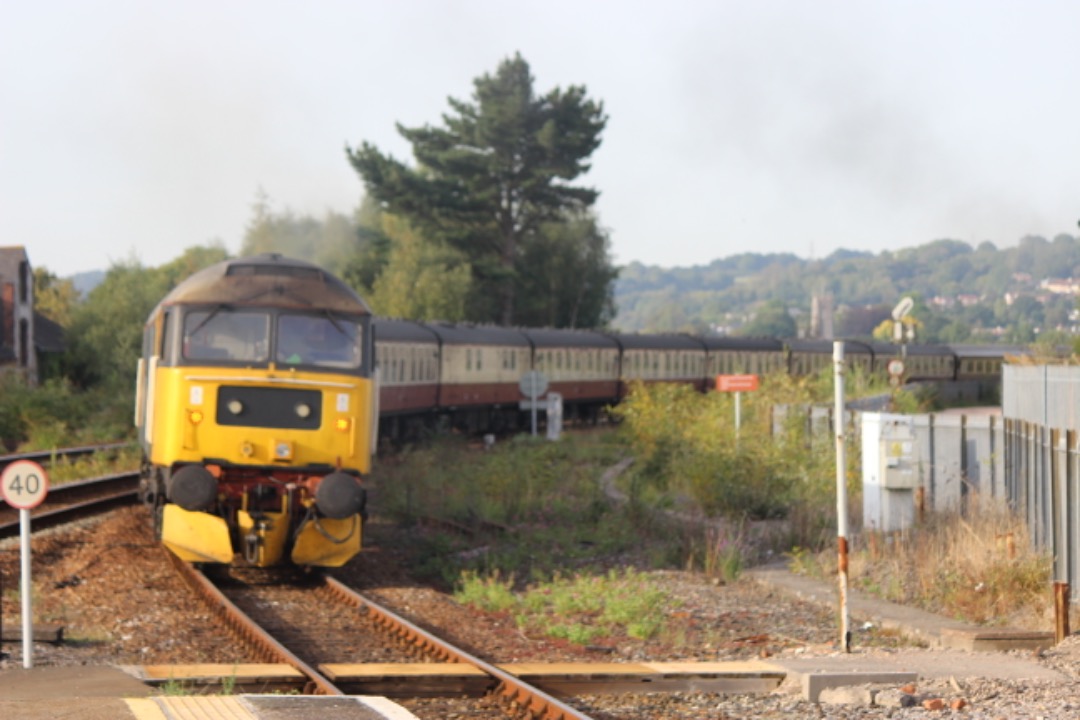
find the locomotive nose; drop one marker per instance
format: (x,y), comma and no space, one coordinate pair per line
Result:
(339,495)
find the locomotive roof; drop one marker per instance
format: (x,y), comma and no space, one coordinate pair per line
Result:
(269,280)
(648,341)
(555,337)
(393,329)
(465,334)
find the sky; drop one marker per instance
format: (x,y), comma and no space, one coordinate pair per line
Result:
(131,130)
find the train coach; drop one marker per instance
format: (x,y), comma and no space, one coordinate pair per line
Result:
(254,411)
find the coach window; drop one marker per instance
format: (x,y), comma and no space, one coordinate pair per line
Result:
(468,359)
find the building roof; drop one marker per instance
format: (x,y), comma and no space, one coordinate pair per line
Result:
(11,256)
(48,335)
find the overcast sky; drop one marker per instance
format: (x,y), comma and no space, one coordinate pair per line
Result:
(135,129)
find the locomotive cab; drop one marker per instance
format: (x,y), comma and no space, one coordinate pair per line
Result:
(255,413)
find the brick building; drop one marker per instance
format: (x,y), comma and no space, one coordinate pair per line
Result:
(17,313)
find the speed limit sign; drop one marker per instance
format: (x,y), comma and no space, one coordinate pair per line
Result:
(23,484)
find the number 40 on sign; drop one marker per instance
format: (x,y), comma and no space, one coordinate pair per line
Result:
(24,484)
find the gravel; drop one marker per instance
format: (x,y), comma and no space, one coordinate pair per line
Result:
(108,583)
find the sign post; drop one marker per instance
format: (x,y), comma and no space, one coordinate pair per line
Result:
(533,385)
(24,485)
(737,384)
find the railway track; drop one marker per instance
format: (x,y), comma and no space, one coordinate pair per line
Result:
(320,625)
(47,457)
(73,501)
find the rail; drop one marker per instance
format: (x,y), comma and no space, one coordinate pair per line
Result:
(74,500)
(49,456)
(531,699)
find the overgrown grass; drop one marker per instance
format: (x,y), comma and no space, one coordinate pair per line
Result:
(55,415)
(699,496)
(578,608)
(977,567)
(125,459)
(544,494)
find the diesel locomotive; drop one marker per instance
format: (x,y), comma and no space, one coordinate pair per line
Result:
(254,409)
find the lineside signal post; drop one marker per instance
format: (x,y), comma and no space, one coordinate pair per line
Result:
(24,485)
(737,384)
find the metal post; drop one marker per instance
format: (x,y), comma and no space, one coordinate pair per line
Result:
(27,590)
(738,412)
(532,399)
(1061,611)
(841,493)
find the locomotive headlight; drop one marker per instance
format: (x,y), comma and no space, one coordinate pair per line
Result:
(303,410)
(195,416)
(343,424)
(283,450)
(235,407)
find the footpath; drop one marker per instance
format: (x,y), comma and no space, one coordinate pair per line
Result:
(953,649)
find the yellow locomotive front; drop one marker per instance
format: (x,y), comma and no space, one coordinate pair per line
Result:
(255,411)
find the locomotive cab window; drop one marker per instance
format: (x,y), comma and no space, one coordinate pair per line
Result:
(221,334)
(323,341)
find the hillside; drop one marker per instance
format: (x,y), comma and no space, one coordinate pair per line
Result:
(962,293)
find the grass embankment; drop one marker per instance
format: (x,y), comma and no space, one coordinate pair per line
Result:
(697,496)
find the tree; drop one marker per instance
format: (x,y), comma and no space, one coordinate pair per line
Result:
(331,242)
(566,276)
(105,339)
(54,298)
(421,280)
(486,182)
(771,320)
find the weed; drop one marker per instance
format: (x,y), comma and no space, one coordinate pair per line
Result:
(228,684)
(578,608)
(175,688)
(491,593)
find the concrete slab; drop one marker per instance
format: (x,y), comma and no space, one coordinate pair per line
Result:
(813,684)
(918,625)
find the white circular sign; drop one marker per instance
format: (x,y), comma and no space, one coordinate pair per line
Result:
(896,367)
(24,485)
(533,384)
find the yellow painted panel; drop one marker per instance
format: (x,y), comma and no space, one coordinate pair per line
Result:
(209,707)
(145,709)
(196,536)
(272,539)
(326,542)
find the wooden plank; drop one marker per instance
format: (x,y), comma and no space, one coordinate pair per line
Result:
(248,672)
(41,633)
(576,669)
(371,671)
(748,668)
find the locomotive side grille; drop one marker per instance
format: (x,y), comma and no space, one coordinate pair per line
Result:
(269,407)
